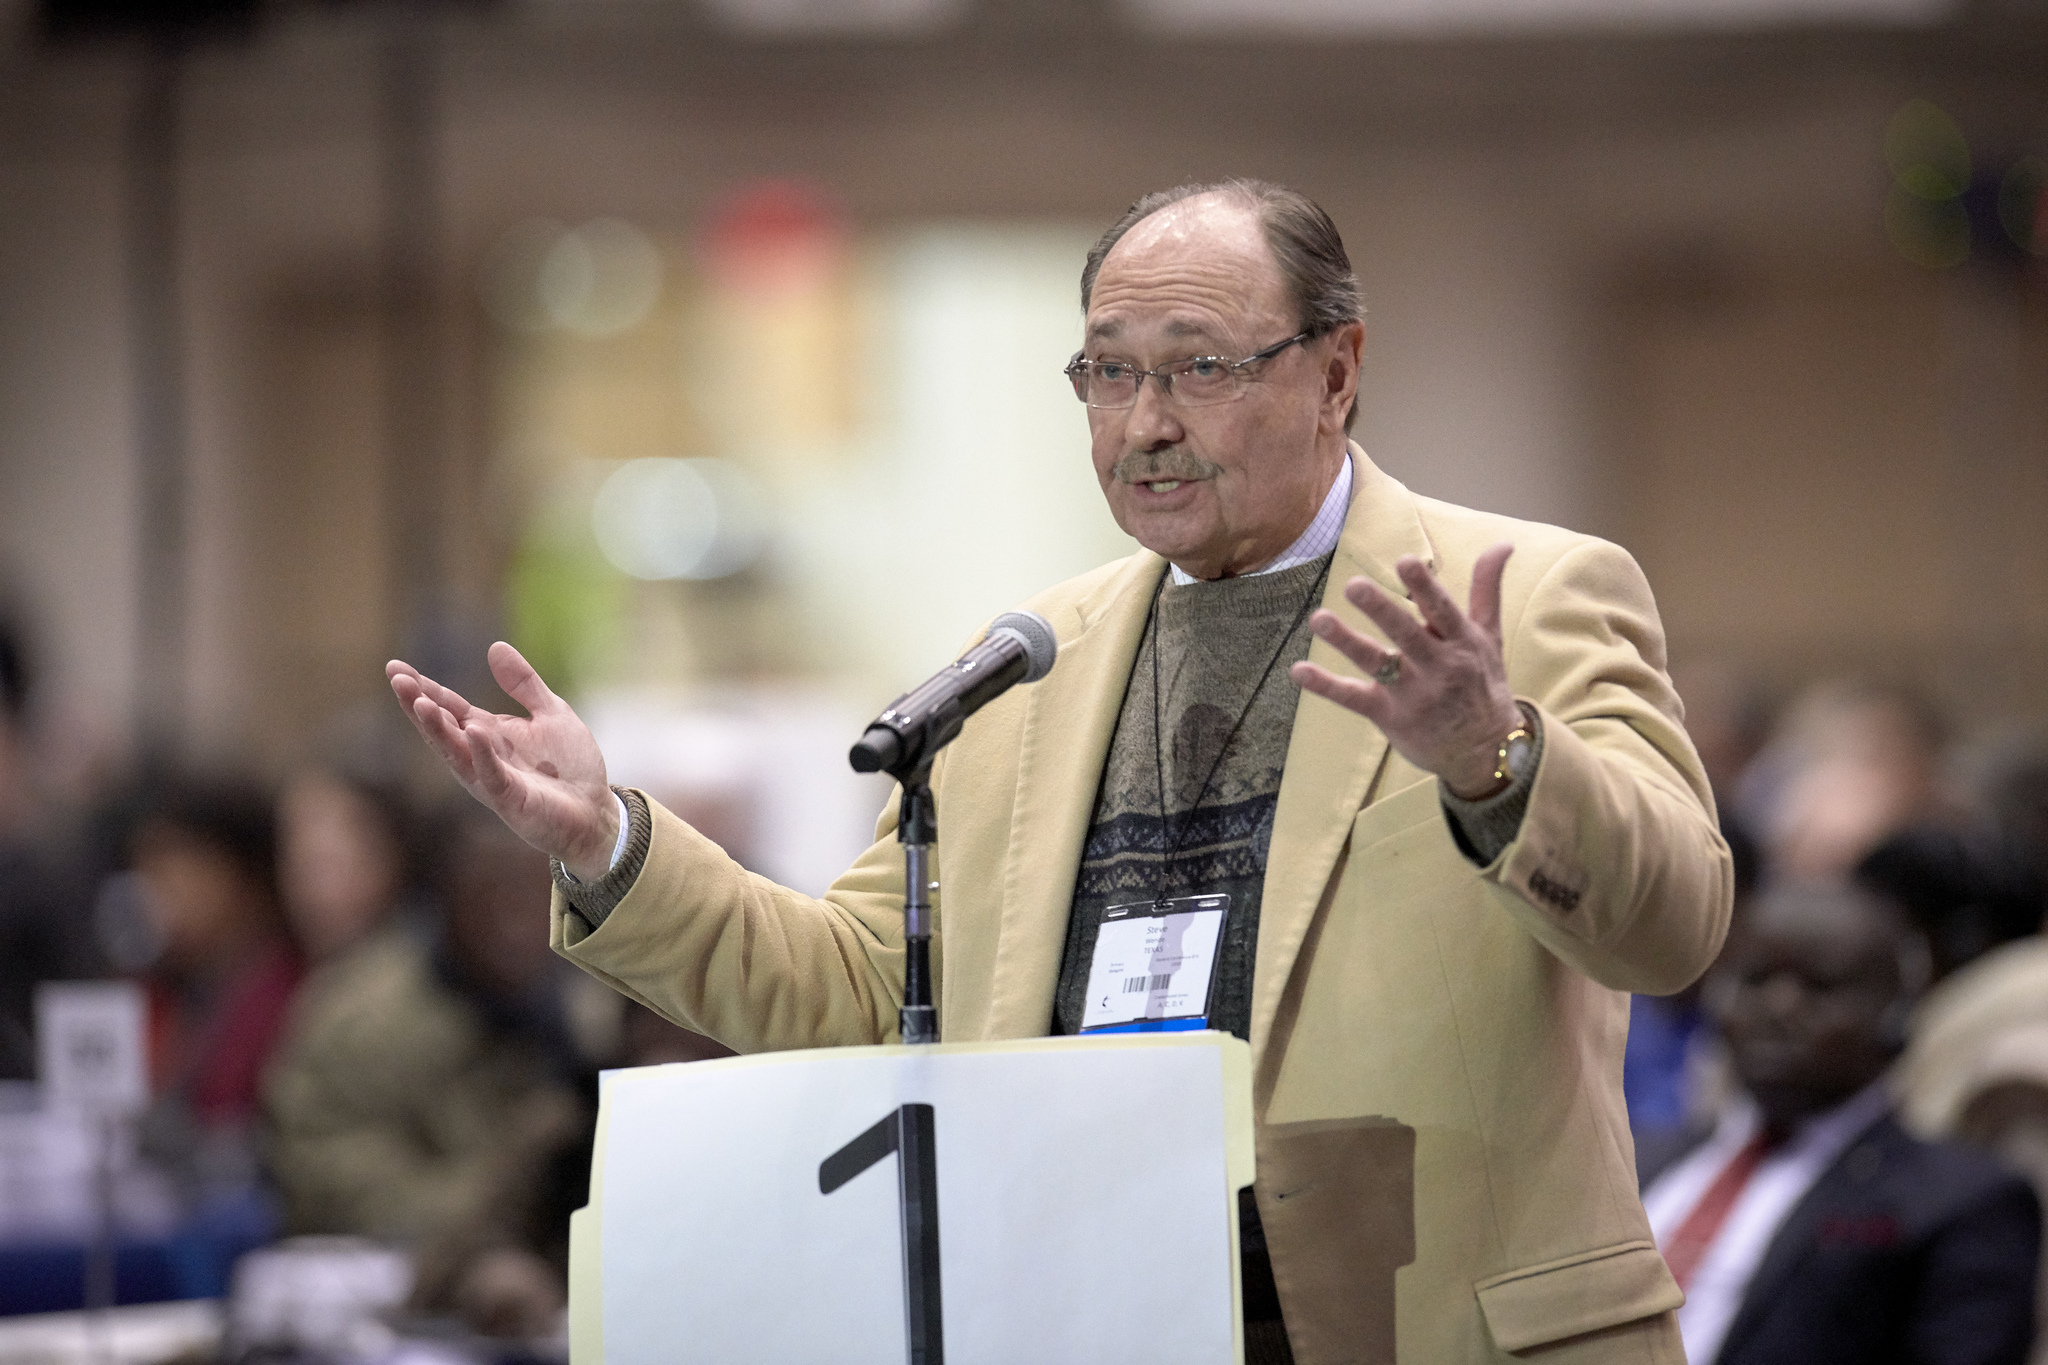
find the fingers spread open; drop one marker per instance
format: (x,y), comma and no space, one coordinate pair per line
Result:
(520,680)
(1354,645)
(1355,694)
(1407,633)
(1426,590)
(1486,576)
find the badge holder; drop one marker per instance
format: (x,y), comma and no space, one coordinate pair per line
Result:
(1154,967)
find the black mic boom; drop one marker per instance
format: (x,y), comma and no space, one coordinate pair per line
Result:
(1019,647)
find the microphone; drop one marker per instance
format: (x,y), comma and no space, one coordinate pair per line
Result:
(1019,647)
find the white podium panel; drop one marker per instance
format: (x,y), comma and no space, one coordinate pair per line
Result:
(1060,1199)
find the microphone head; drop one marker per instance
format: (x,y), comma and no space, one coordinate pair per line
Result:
(877,752)
(1034,632)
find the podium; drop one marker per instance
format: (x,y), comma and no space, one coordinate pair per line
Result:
(1049,1199)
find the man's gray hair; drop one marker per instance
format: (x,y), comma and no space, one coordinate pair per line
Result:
(1301,236)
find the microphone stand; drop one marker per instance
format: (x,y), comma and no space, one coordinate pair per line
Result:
(917,829)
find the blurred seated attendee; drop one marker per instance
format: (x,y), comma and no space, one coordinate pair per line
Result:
(512,1287)
(431,1084)
(2014,792)
(1809,1226)
(205,853)
(345,849)
(1672,1069)
(1852,762)
(45,934)
(1962,889)
(1977,1066)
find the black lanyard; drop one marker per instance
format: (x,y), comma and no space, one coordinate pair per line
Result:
(1315,594)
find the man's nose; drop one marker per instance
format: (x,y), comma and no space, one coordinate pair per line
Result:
(1155,418)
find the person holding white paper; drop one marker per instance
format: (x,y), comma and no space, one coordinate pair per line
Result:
(1422,891)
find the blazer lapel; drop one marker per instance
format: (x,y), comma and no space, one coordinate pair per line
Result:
(1068,725)
(1333,754)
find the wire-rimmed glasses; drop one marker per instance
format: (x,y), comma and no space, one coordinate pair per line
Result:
(1194,381)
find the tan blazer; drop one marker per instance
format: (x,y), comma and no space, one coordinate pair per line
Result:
(1445,1169)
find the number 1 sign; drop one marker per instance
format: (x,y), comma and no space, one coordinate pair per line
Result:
(909,1134)
(1088,1196)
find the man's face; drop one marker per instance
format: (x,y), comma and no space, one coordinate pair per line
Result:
(1218,489)
(1801,996)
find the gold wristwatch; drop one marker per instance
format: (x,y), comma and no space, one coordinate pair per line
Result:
(1517,752)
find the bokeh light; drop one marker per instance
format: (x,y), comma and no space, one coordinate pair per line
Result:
(1926,151)
(600,279)
(597,280)
(665,518)
(1924,214)
(2023,205)
(1934,233)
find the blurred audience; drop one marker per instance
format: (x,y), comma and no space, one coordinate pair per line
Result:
(45,933)
(433,1093)
(204,853)
(1728,720)
(1977,1068)
(1852,763)
(1672,1071)
(1961,888)
(2013,791)
(346,855)
(1808,1225)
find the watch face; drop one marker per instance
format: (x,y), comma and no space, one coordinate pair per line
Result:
(1521,753)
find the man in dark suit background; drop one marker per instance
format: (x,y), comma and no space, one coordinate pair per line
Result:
(1809,1226)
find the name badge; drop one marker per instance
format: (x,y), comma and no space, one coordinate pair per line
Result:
(1154,961)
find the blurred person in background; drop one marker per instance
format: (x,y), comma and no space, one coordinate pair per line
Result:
(1977,1066)
(45,932)
(346,851)
(1809,1226)
(432,1093)
(1673,1071)
(1960,887)
(2014,794)
(1853,762)
(1976,1070)
(204,851)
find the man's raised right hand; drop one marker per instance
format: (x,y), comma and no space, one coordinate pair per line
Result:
(542,773)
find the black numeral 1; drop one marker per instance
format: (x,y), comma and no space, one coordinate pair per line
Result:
(908,1133)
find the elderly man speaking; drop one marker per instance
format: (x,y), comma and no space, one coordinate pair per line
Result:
(1442,869)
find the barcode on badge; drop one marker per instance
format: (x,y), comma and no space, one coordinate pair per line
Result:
(1156,982)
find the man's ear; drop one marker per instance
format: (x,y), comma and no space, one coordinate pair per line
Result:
(1340,373)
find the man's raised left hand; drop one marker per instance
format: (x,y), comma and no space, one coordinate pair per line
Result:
(1446,706)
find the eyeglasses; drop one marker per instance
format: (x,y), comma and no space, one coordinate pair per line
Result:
(1197,380)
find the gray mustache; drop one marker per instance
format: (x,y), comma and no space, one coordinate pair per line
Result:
(1141,466)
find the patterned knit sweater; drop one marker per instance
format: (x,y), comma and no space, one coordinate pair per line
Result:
(1187,809)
